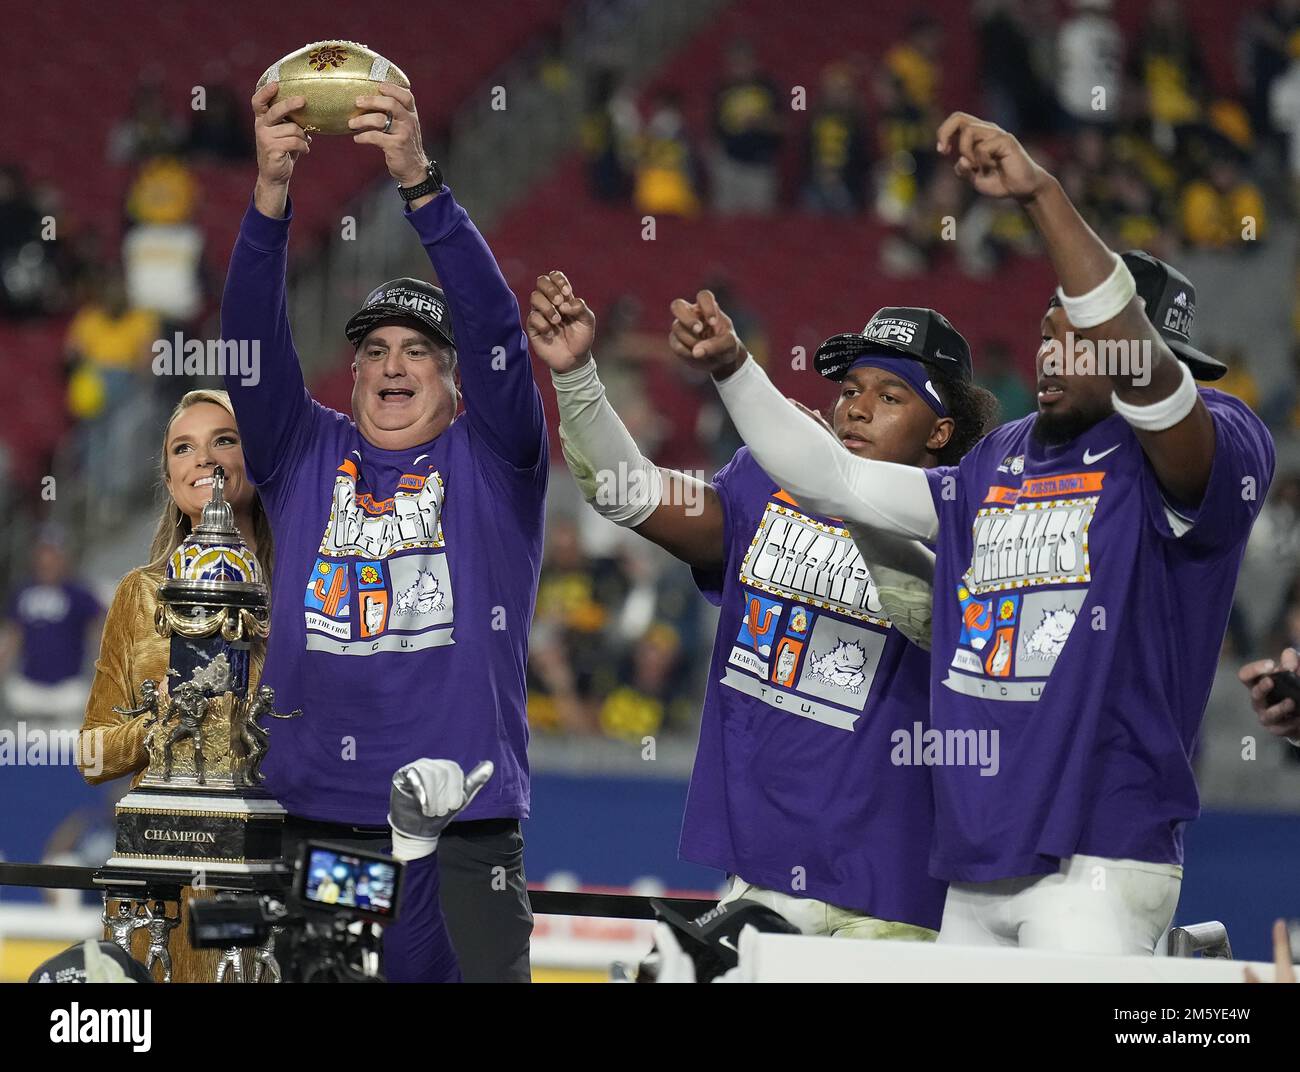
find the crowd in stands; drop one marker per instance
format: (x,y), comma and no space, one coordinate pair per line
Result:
(1154,152)
(117,287)
(120,285)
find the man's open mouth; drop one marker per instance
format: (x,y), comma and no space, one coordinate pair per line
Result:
(395,394)
(1050,391)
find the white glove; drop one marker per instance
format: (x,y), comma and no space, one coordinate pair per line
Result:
(426,796)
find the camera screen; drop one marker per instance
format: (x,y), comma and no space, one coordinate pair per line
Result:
(347,880)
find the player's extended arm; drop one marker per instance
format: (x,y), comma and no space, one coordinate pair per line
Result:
(901,569)
(271,400)
(680,513)
(824,477)
(1094,280)
(792,446)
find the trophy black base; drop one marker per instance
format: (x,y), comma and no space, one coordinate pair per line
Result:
(198,834)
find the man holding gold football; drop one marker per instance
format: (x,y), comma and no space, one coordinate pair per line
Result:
(407,540)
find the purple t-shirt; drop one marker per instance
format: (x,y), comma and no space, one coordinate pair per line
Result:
(404,581)
(53,619)
(800,782)
(1072,620)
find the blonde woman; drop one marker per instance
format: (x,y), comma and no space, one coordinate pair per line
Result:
(200,435)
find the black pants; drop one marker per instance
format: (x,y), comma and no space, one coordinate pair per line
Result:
(483,889)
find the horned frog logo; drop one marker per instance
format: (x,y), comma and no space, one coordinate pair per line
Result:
(421,596)
(329,56)
(844,665)
(1050,636)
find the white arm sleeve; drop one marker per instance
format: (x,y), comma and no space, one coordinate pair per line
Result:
(612,473)
(795,451)
(903,572)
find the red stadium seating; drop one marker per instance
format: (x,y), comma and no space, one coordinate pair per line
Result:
(85,88)
(803,277)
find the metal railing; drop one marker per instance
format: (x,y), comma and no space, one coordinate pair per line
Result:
(544,902)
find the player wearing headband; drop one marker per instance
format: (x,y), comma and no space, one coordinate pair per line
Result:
(1086,560)
(801,790)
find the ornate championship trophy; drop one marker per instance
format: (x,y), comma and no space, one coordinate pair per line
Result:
(200,815)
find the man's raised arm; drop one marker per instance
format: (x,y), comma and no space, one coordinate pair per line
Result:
(271,400)
(1171,422)
(502,402)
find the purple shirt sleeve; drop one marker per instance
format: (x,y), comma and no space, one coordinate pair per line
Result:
(273,412)
(502,402)
(1240,475)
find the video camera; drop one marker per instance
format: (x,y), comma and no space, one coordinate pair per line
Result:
(327,927)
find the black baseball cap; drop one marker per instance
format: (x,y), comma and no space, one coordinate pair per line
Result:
(918,333)
(1170,302)
(404,299)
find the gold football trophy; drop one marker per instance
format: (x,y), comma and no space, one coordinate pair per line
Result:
(331,75)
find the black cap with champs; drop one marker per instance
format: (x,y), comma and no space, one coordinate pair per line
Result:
(1170,302)
(403,299)
(918,333)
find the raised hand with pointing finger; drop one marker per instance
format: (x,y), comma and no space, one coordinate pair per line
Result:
(561,328)
(990,158)
(704,337)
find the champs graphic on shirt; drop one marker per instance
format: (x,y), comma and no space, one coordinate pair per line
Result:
(1028,578)
(812,628)
(380,581)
